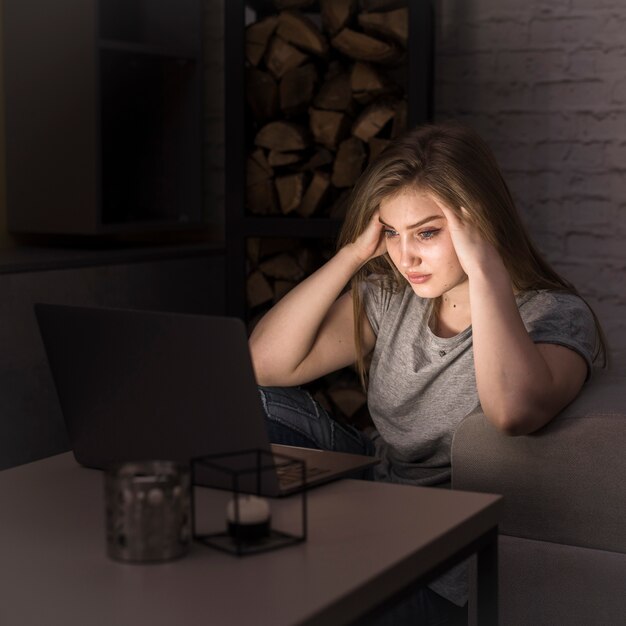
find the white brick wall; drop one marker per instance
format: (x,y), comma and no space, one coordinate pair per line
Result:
(544,82)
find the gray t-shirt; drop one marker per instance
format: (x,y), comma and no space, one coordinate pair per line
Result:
(421,386)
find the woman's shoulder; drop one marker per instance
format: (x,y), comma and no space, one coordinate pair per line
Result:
(551,300)
(557,314)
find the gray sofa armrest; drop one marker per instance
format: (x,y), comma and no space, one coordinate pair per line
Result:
(566,483)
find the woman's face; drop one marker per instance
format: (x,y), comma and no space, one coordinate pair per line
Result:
(419,243)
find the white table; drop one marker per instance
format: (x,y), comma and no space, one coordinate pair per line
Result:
(367,541)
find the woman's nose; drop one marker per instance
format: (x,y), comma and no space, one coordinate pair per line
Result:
(409,254)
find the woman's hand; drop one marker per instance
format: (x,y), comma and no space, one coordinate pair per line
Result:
(371,242)
(472,249)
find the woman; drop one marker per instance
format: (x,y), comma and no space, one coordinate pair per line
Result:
(450,307)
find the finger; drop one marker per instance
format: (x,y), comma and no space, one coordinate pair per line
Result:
(451,216)
(465,214)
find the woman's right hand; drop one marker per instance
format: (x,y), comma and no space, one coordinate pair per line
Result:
(371,242)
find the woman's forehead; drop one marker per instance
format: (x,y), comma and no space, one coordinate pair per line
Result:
(414,202)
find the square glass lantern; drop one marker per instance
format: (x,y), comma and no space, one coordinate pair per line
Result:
(248,526)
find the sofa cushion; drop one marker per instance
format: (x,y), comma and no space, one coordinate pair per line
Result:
(564,483)
(544,584)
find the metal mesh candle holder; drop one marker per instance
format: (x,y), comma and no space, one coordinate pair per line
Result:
(243,473)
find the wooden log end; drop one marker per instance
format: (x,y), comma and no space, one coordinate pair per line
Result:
(258,289)
(258,35)
(349,162)
(362,47)
(301,32)
(328,127)
(393,24)
(373,119)
(283,136)
(290,190)
(281,57)
(315,194)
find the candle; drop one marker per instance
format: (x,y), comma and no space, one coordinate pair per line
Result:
(250,520)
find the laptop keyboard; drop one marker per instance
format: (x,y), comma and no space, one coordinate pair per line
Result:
(291,475)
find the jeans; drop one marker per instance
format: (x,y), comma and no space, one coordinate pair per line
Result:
(295,418)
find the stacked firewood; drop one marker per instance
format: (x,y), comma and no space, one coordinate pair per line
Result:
(276,265)
(326,92)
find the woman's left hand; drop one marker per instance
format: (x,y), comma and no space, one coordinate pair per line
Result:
(472,249)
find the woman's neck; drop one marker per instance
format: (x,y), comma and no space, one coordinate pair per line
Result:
(451,314)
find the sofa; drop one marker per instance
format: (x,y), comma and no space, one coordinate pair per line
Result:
(562,545)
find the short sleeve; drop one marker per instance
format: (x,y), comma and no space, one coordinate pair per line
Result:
(376,300)
(563,319)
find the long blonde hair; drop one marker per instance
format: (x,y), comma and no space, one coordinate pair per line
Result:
(452,162)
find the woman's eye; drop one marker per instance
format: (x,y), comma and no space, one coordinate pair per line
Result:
(389,233)
(428,234)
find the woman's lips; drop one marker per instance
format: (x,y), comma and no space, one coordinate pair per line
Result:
(418,279)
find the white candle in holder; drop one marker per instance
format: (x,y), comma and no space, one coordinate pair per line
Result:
(253,519)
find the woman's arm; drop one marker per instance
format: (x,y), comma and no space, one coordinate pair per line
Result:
(521,385)
(310,331)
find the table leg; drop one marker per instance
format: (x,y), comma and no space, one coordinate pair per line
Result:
(487,581)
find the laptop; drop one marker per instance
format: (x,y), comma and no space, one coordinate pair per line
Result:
(136,385)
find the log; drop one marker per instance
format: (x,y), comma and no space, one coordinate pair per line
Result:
(365,48)
(335,94)
(339,207)
(260,191)
(367,82)
(376,146)
(282,288)
(297,88)
(400,121)
(258,168)
(394,24)
(300,31)
(382,5)
(373,118)
(336,14)
(328,127)
(315,194)
(307,260)
(261,198)
(282,267)
(261,94)
(281,57)
(253,248)
(349,162)
(258,289)
(321,158)
(290,191)
(278,159)
(257,38)
(292,4)
(283,136)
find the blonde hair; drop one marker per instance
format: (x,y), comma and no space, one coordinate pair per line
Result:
(453,163)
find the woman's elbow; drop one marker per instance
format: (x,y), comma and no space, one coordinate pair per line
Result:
(260,365)
(269,371)
(518,422)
